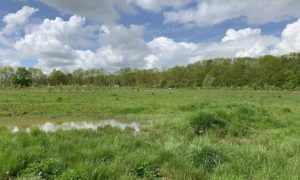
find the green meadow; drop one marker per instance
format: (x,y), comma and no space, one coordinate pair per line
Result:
(184,134)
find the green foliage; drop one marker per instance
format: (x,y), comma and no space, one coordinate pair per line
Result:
(37,76)
(57,77)
(266,72)
(6,75)
(22,77)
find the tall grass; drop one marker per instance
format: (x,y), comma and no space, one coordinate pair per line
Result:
(185,134)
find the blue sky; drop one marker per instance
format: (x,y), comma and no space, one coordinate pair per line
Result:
(112,34)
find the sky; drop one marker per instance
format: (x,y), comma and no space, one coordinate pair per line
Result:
(111,34)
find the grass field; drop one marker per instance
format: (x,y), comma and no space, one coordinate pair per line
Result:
(185,134)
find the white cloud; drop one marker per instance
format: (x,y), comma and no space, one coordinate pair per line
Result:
(73,32)
(9,63)
(212,12)
(232,34)
(120,46)
(4,42)
(167,53)
(125,42)
(158,5)
(50,42)
(8,57)
(13,20)
(290,39)
(124,46)
(58,44)
(105,11)
(72,43)
(245,42)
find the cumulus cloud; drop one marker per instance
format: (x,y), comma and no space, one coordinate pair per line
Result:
(58,44)
(212,12)
(240,43)
(73,43)
(167,53)
(120,46)
(127,43)
(124,46)
(236,43)
(99,10)
(50,42)
(108,11)
(8,57)
(232,34)
(13,20)
(9,63)
(157,5)
(290,39)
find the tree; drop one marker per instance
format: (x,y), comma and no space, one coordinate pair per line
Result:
(57,77)
(6,74)
(38,77)
(22,77)
(291,80)
(78,76)
(126,77)
(258,73)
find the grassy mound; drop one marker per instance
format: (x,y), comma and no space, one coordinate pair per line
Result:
(236,119)
(208,158)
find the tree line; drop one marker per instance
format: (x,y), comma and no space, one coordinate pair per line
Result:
(256,73)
